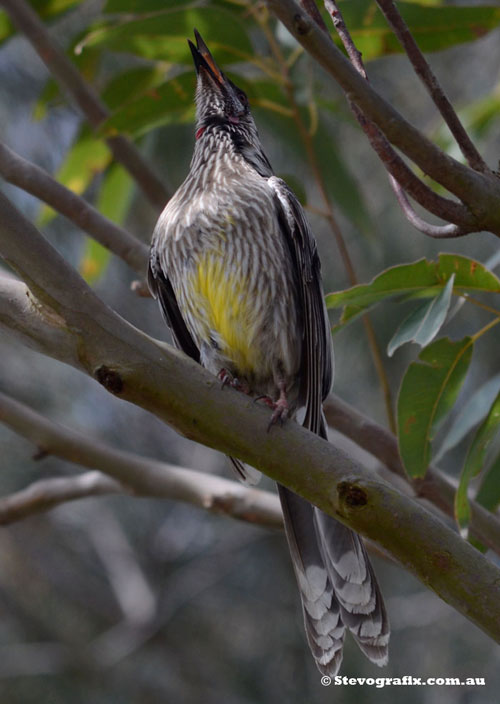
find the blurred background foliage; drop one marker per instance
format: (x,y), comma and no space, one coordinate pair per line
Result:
(126,600)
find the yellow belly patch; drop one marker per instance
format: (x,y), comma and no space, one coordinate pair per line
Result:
(224,300)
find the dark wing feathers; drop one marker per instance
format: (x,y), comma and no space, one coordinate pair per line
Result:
(317,357)
(161,288)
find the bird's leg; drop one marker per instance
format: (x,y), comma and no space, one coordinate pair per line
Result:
(280,407)
(280,412)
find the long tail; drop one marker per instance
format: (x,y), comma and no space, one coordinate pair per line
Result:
(337,584)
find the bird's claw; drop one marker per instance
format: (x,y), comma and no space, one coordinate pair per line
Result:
(229,380)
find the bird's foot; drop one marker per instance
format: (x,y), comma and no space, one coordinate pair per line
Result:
(280,408)
(229,380)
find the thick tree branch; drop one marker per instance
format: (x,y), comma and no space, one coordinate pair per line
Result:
(428,78)
(136,368)
(36,181)
(479,192)
(141,476)
(435,486)
(27,21)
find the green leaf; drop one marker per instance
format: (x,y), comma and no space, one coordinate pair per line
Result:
(171,102)
(87,157)
(474,463)
(429,389)
(472,412)
(422,277)
(162,35)
(132,84)
(433,27)
(424,323)
(489,491)
(116,194)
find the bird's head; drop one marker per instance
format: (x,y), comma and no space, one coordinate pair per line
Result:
(218,100)
(223,107)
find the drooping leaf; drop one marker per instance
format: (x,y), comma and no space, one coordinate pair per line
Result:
(434,27)
(423,277)
(489,491)
(424,323)
(472,412)
(87,157)
(429,390)
(474,463)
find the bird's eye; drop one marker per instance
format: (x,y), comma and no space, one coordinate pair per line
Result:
(242,98)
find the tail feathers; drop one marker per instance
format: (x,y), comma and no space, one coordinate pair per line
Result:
(337,585)
(356,588)
(324,627)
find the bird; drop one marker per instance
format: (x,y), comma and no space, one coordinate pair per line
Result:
(236,271)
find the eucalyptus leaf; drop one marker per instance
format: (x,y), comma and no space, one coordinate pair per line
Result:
(472,412)
(429,390)
(474,463)
(424,323)
(423,277)
(489,491)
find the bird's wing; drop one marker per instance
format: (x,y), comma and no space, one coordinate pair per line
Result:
(316,371)
(162,290)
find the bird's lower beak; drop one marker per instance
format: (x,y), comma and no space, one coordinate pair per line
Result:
(203,59)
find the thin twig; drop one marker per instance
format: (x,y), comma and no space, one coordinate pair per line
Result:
(36,181)
(428,78)
(27,21)
(436,231)
(400,176)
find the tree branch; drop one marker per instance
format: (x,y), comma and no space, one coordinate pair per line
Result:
(36,181)
(27,21)
(398,171)
(138,369)
(428,78)
(479,192)
(131,473)
(435,486)
(47,493)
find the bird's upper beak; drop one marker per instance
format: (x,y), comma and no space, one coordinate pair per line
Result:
(203,60)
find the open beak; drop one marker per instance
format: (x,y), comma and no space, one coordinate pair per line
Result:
(203,59)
